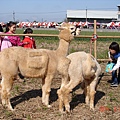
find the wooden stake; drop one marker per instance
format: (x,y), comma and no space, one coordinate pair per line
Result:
(95,49)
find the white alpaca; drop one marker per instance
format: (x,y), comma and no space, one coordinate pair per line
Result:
(83,69)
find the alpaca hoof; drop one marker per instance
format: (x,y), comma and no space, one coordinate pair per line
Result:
(21,80)
(8,107)
(49,106)
(92,108)
(62,111)
(67,111)
(67,108)
(11,109)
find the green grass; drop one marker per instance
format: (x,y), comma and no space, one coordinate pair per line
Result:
(20,31)
(101,33)
(87,33)
(39,31)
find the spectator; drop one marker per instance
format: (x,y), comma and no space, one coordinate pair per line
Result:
(114,51)
(28,39)
(10,41)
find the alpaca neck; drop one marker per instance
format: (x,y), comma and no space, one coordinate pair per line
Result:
(63,48)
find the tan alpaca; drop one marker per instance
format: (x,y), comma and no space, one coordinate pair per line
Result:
(39,63)
(83,69)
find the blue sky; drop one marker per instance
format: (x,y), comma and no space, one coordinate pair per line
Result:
(49,10)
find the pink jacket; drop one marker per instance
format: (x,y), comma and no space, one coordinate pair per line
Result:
(5,43)
(15,40)
(10,41)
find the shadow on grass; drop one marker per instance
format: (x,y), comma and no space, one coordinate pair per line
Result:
(26,96)
(81,99)
(77,99)
(33,94)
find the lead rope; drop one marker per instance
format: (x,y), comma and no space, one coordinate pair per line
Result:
(92,40)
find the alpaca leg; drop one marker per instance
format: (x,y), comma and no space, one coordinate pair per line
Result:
(86,95)
(92,97)
(64,71)
(60,97)
(92,94)
(63,94)
(69,87)
(66,101)
(63,99)
(65,80)
(87,91)
(43,93)
(46,88)
(6,86)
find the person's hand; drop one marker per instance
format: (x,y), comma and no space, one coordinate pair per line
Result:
(110,60)
(110,71)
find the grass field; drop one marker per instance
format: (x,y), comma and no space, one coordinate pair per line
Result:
(78,44)
(83,32)
(26,97)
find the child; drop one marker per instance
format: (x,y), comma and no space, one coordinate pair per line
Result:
(10,41)
(115,58)
(4,41)
(28,39)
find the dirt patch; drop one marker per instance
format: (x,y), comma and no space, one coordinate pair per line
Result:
(26,99)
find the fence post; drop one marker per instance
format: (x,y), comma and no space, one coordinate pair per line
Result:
(95,49)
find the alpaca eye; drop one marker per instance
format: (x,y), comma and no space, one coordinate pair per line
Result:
(72,28)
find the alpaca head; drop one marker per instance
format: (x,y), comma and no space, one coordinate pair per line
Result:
(68,31)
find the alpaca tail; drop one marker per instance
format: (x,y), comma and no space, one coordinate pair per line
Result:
(90,67)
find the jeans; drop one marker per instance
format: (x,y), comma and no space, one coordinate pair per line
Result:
(114,77)
(119,76)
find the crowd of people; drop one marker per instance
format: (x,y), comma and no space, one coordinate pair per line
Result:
(9,41)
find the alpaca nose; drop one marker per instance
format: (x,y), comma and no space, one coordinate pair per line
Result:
(74,33)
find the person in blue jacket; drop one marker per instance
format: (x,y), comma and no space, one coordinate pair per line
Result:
(114,51)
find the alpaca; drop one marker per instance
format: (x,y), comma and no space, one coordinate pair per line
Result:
(36,63)
(83,69)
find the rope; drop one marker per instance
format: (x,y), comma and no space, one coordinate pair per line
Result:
(92,40)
